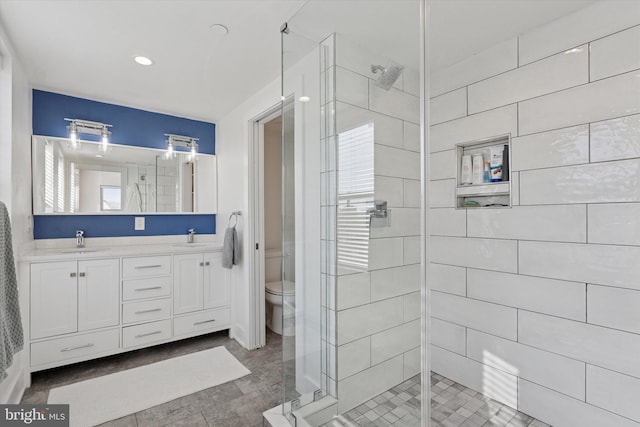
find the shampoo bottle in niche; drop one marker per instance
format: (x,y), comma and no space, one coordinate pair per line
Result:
(478,169)
(465,170)
(496,163)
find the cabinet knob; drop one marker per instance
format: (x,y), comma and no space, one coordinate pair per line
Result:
(82,274)
(207,263)
(72,275)
(201,264)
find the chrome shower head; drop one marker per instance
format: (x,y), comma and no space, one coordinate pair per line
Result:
(388,75)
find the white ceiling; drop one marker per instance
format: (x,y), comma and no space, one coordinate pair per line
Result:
(86,47)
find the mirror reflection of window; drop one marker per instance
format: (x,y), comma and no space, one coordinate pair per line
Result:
(111,198)
(355,196)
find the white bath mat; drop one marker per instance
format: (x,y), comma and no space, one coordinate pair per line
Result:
(113,396)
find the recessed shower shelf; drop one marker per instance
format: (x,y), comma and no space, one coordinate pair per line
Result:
(489,189)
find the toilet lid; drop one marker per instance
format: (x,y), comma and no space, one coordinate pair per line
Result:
(276,287)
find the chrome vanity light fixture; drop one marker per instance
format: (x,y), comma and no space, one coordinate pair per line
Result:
(78,126)
(174,141)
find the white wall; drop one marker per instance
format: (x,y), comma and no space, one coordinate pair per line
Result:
(537,306)
(376,339)
(15,175)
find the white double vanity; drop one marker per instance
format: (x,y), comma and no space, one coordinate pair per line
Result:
(91,302)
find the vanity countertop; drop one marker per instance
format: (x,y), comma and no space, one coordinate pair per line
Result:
(92,252)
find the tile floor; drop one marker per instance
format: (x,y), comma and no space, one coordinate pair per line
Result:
(452,405)
(240,403)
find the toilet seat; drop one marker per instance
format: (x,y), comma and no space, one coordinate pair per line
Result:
(276,288)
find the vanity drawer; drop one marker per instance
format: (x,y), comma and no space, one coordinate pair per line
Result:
(133,336)
(144,311)
(201,321)
(73,347)
(148,266)
(146,288)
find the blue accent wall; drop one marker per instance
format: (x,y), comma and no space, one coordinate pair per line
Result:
(65,226)
(130,125)
(133,127)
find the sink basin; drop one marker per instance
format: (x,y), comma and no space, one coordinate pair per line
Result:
(78,250)
(189,245)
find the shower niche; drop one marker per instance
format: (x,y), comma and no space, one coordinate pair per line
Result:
(483,173)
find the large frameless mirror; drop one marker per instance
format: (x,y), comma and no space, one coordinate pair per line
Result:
(84,178)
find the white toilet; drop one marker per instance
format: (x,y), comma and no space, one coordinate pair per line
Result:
(280,298)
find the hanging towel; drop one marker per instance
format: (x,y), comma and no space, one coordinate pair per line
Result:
(230,249)
(11,338)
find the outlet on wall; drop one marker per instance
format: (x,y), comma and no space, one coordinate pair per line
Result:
(139,223)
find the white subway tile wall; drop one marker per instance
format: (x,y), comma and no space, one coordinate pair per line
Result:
(537,305)
(377,317)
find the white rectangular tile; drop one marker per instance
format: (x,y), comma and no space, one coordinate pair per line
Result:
(593,183)
(451,105)
(615,54)
(411,136)
(396,162)
(592,344)
(617,223)
(445,136)
(358,322)
(394,341)
(487,380)
(489,254)
(448,335)
(412,250)
(353,290)
(442,193)
(562,147)
(386,130)
(448,222)
(604,99)
(353,357)
(412,306)
(412,363)
(515,188)
(558,409)
(598,264)
(389,189)
(614,308)
(614,392)
(447,278)
(385,253)
(491,318)
(550,370)
(549,75)
(393,282)
(404,222)
(369,383)
(495,60)
(564,223)
(615,139)
(352,88)
(395,103)
(412,193)
(411,81)
(442,165)
(550,296)
(587,24)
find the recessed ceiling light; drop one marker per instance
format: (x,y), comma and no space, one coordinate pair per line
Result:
(304,99)
(143,60)
(219,30)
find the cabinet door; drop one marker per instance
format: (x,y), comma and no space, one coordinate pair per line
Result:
(54,299)
(216,286)
(187,283)
(98,293)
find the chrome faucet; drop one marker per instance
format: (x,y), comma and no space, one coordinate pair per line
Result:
(192,232)
(79,239)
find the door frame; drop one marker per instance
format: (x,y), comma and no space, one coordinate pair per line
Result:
(257,311)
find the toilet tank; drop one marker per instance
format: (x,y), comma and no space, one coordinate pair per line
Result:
(272,265)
